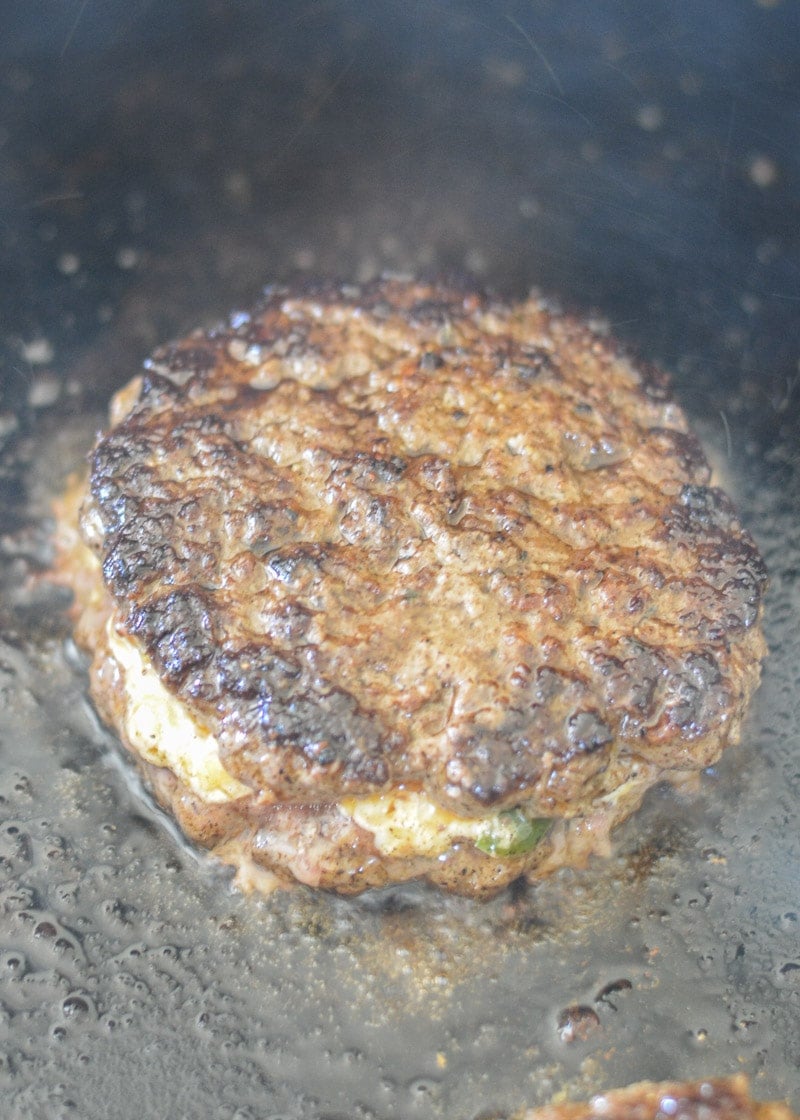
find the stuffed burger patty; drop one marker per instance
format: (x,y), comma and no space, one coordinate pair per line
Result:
(401,581)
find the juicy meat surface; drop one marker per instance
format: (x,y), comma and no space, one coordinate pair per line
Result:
(405,536)
(722,1098)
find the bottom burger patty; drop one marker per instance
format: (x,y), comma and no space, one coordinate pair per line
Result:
(347,846)
(402,581)
(715,1098)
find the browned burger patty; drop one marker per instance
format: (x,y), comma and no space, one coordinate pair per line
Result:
(399,580)
(722,1098)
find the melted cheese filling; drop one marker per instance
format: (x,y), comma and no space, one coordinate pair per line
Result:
(405,822)
(158,726)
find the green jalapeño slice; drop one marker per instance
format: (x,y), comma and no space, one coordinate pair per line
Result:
(512,833)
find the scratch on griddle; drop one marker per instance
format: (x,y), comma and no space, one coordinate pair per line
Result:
(52,199)
(563,101)
(632,82)
(74,27)
(122,29)
(725,158)
(529,39)
(791,384)
(313,112)
(728,442)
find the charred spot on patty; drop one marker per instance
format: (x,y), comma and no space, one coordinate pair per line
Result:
(401,580)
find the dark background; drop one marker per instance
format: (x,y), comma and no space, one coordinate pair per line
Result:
(640,158)
(159,163)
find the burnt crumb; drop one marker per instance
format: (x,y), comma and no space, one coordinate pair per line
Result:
(742,599)
(110,458)
(702,669)
(285,566)
(196,427)
(320,752)
(486,765)
(267,527)
(614,987)
(550,683)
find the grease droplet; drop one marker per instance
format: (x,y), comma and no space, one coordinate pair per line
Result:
(576,1023)
(74,1006)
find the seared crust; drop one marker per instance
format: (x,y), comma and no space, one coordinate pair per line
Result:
(316,843)
(407,536)
(718,1098)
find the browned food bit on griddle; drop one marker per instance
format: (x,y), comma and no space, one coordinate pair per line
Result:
(403,581)
(718,1098)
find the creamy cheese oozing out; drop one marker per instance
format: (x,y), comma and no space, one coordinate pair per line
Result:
(406,821)
(165,734)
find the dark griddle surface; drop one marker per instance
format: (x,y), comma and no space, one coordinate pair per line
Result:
(158,164)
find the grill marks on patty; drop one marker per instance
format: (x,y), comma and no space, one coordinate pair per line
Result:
(405,533)
(319,516)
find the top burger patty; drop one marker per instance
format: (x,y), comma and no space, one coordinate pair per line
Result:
(408,536)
